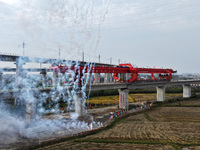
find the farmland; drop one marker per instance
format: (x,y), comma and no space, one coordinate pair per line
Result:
(131,98)
(167,126)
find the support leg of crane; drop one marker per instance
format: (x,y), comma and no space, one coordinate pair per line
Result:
(152,76)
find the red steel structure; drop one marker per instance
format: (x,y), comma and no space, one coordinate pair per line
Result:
(122,68)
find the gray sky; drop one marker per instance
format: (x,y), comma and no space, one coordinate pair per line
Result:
(156,33)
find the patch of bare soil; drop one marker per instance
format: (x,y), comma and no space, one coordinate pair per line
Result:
(104,110)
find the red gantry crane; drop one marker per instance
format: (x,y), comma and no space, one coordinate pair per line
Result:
(165,74)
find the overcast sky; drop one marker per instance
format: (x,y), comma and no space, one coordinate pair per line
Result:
(156,33)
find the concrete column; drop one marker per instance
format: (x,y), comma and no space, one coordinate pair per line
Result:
(97,78)
(79,103)
(30,111)
(160,93)
(186,91)
(19,73)
(123,98)
(20,105)
(44,77)
(55,79)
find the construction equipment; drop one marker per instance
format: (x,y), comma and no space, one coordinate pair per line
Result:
(164,74)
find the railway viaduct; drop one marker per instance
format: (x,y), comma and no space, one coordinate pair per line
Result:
(108,83)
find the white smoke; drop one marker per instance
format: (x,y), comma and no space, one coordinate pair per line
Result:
(72,26)
(46,27)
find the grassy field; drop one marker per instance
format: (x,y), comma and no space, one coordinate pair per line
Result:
(165,127)
(108,100)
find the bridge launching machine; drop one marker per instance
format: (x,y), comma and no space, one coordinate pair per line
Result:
(164,74)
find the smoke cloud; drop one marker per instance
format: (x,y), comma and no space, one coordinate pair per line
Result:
(47,26)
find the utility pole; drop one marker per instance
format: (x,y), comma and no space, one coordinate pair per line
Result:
(99,58)
(83,56)
(23,45)
(110,60)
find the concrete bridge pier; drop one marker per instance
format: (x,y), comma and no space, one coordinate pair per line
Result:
(19,79)
(160,93)
(186,91)
(79,103)
(44,77)
(55,79)
(30,111)
(19,72)
(97,78)
(123,98)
